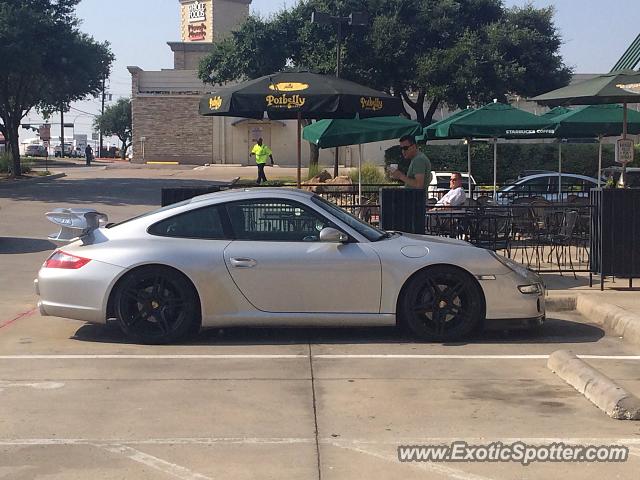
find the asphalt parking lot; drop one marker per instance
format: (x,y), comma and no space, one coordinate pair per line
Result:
(77,401)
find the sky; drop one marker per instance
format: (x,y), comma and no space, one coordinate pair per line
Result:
(595,34)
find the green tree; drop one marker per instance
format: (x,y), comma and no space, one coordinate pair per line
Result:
(116,120)
(429,52)
(45,63)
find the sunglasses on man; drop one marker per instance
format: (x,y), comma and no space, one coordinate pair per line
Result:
(404,148)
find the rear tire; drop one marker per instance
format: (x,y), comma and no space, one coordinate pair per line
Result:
(156,305)
(442,303)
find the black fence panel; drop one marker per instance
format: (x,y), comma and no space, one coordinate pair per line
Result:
(403,209)
(615,247)
(175,195)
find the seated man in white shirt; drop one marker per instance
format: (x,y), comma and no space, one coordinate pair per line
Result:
(456,196)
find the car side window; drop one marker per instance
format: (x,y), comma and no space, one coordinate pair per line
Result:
(275,220)
(204,223)
(443,181)
(534,185)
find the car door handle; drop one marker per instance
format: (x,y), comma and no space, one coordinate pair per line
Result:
(243,262)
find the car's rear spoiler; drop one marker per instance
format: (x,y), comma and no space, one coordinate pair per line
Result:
(75,223)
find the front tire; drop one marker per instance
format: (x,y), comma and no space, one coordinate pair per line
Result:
(442,303)
(156,305)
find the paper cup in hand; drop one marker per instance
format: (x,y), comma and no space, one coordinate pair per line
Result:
(393,167)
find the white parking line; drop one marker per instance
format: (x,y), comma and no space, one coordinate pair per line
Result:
(469,357)
(443,470)
(629,441)
(156,463)
(159,441)
(37,385)
(303,356)
(152,357)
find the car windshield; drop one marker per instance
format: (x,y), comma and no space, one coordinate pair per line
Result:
(370,233)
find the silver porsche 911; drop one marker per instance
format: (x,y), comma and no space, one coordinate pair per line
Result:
(275,257)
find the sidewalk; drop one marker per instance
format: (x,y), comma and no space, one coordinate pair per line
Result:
(213,172)
(616,309)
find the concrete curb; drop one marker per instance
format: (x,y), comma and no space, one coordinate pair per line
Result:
(603,392)
(614,319)
(51,177)
(10,183)
(617,320)
(561,303)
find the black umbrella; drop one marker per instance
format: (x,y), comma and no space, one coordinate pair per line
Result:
(298,95)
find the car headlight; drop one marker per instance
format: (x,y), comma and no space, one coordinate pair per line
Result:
(511,265)
(532,289)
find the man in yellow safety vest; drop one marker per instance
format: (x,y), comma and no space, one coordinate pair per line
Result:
(262,152)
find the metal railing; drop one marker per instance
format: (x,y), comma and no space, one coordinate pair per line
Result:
(545,235)
(549,238)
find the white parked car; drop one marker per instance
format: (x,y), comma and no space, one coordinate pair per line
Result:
(278,257)
(36,150)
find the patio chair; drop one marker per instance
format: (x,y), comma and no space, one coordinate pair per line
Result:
(522,227)
(582,230)
(562,240)
(494,230)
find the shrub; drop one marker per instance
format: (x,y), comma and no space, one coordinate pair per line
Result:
(314,170)
(371,174)
(5,161)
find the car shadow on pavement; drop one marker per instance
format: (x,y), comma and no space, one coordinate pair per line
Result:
(105,191)
(555,281)
(554,331)
(16,245)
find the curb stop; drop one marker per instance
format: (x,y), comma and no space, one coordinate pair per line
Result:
(603,392)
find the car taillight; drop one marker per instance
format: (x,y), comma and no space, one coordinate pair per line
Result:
(60,259)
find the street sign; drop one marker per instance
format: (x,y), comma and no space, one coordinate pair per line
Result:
(45,132)
(624,151)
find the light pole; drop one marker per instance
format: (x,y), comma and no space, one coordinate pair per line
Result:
(354,19)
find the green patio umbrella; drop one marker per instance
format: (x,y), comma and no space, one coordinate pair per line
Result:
(339,132)
(622,86)
(493,121)
(616,87)
(429,132)
(554,112)
(594,121)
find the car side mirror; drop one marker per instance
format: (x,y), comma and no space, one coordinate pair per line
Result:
(331,235)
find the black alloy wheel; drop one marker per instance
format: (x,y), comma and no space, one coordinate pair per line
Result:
(156,305)
(442,304)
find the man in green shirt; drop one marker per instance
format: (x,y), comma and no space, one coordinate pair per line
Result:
(419,172)
(262,152)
